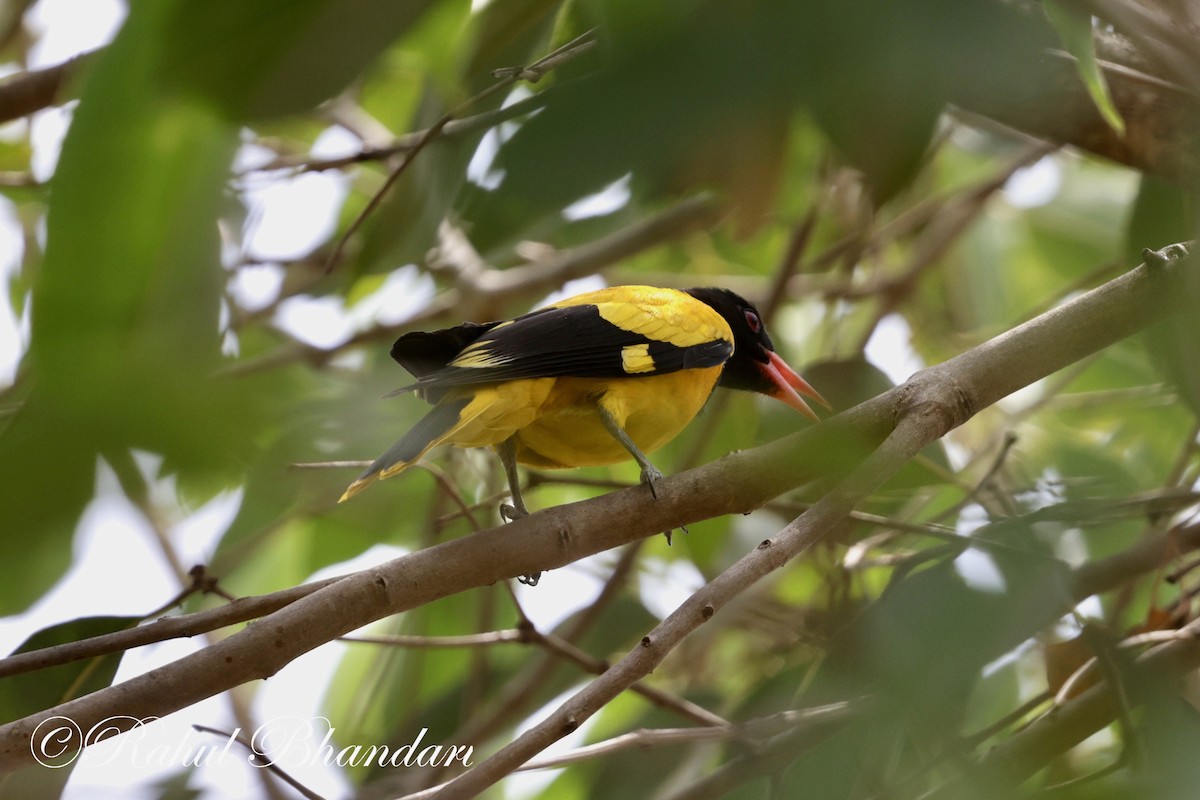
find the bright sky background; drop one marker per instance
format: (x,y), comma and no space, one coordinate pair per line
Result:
(288,217)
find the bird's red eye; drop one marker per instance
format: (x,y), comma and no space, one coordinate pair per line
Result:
(753,321)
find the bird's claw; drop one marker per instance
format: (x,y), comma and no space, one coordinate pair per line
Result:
(651,474)
(510,513)
(667,534)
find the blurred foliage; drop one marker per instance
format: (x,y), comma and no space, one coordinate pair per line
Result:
(24,694)
(884,231)
(31,692)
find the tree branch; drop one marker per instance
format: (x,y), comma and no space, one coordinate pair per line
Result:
(755,729)
(911,434)
(32,91)
(1162,116)
(934,401)
(409,141)
(161,630)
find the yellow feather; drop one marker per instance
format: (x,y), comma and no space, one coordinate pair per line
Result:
(665,315)
(636,358)
(567,431)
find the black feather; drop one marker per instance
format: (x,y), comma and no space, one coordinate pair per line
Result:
(423,352)
(574,341)
(752,347)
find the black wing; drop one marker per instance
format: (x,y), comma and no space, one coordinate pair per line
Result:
(572,341)
(424,352)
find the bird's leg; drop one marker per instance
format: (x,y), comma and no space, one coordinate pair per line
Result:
(650,473)
(507,450)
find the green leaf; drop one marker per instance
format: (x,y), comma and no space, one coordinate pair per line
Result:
(21,695)
(126,332)
(275,57)
(1162,214)
(847,383)
(1165,214)
(126,304)
(1074,26)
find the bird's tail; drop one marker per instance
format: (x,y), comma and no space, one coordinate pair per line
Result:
(431,430)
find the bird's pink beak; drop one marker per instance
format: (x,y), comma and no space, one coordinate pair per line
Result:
(789,386)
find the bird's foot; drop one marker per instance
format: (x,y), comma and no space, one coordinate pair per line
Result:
(512,513)
(667,534)
(650,474)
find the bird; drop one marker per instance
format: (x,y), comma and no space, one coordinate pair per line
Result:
(595,379)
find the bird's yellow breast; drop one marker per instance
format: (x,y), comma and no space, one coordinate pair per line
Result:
(567,432)
(555,420)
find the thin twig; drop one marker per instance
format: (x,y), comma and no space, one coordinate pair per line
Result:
(407,142)
(200,583)
(506,78)
(451,490)
(646,738)
(567,650)
(1070,686)
(944,229)
(997,464)
(1008,720)
(497,287)
(258,759)
(166,628)
(1023,753)
(519,692)
(1134,75)
(684,708)
(773,755)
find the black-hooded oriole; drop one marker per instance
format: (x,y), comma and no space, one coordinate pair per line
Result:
(594,379)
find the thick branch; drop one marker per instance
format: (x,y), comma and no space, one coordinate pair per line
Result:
(947,395)
(1162,118)
(32,91)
